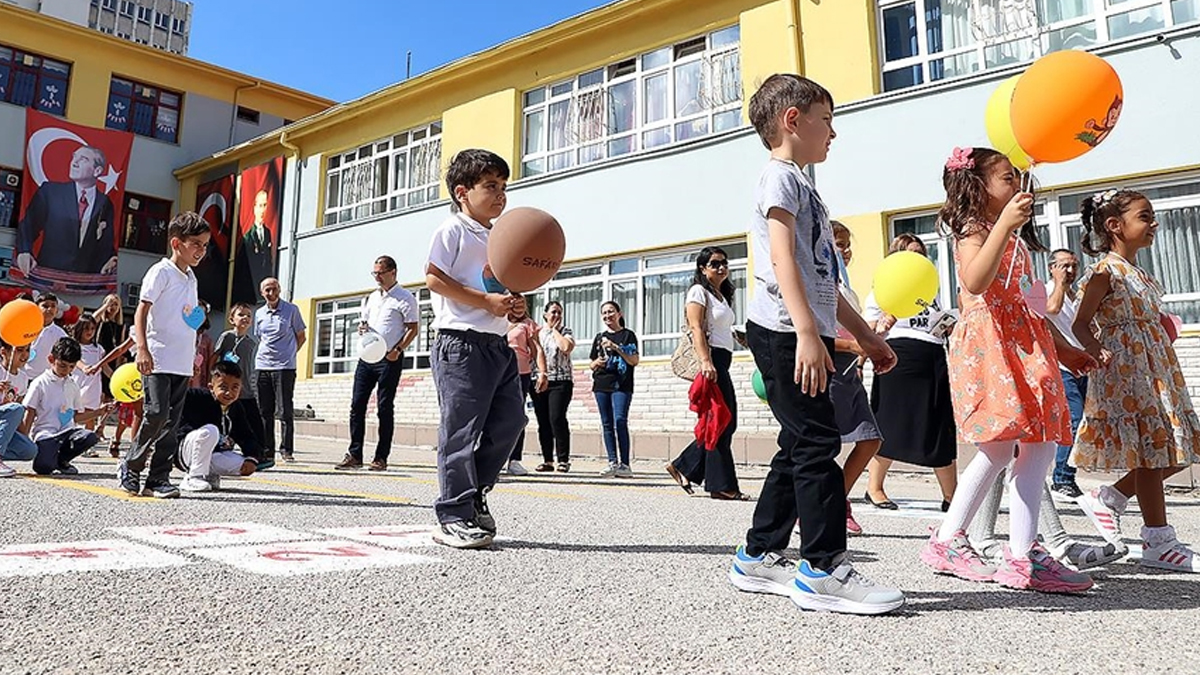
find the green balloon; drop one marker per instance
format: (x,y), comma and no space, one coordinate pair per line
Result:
(760,388)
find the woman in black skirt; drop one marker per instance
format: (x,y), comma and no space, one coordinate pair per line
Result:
(912,401)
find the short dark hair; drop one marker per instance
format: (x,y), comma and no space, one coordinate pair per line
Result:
(778,93)
(67,349)
(1055,252)
(47,297)
(468,167)
(227,368)
(387,261)
(185,225)
(242,306)
(26,295)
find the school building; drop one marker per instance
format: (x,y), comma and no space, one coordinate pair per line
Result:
(183,110)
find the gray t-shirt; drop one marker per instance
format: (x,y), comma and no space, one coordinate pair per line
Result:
(783,185)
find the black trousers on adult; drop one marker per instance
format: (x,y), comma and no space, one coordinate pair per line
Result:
(714,467)
(164,396)
(805,480)
(554,433)
(276,398)
(385,376)
(526,392)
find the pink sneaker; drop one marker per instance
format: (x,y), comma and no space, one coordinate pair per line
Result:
(956,557)
(1040,571)
(852,526)
(1106,520)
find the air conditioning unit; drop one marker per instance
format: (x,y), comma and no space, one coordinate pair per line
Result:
(130,294)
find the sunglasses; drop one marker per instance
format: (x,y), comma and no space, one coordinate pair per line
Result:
(718,264)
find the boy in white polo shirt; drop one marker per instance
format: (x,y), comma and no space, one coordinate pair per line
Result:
(475,372)
(54,411)
(39,351)
(164,330)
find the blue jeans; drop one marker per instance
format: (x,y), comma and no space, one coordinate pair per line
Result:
(1076,390)
(614,420)
(14,445)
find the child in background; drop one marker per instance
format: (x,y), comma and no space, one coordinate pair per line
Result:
(239,347)
(14,382)
(87,373)
(1138,416)
(129,415)
(39,353)
(205,351)
(53,412)
(216,437)
(1007,392)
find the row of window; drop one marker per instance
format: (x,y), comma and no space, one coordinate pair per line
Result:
(926,41)
(146,218)
(651,291)
(144,14)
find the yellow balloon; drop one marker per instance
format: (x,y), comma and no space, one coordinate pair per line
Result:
(126,384)
(905,284)
(997,118)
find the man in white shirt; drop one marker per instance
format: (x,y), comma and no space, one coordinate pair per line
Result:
(1062,302)
(391,312)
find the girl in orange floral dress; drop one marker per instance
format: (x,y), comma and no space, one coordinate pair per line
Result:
(1138,416)
(1007,393)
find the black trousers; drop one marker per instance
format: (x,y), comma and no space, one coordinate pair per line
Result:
(276,397)
(554,433)
(805,480)
(161,413)
(714,467)
(367,376)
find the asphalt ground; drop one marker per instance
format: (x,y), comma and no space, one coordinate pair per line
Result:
(589,576)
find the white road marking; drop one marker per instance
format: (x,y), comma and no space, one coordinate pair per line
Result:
(82,556)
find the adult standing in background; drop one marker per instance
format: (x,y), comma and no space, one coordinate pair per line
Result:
(550,405)
(110,333)
(281,334)
(391,312)
(614,356)
(710,317)
(523,340)
(1062,303)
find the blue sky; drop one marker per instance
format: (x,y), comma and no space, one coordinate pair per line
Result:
(342,49)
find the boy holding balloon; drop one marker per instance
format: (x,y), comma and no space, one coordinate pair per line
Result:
(792,323)
(39,354)
(54,411)
(475,372)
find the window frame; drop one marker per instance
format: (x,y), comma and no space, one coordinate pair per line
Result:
(45,72)
(349,309)
(149,95)
(143,208)
(363,164)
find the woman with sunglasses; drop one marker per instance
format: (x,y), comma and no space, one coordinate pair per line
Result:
(710,317)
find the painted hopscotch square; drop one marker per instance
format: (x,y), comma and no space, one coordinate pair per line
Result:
(210,534)
(392,536)
(82,556)
(309,557)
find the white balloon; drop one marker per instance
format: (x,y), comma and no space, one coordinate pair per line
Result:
(371,347)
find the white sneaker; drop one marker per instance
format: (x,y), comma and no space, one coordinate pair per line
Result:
(515,469)
(1106,520)
(623,471)
(842,589)
(610,472)
(1080,557)
(1169,555)
(7,471)
(195,484)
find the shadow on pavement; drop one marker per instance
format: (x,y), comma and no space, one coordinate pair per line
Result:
(1141,592)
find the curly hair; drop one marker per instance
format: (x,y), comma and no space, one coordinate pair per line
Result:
(967,198)
(1095,212)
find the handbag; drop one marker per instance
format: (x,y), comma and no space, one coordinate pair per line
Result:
(684,362)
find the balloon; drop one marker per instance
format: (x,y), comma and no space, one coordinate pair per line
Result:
(906,282)
(20,322)
(126,384)
(997,118)
(760,387)
(1066,104)
(371,347)
(1173,324)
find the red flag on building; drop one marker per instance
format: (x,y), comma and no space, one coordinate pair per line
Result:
(214,203)
(71,200)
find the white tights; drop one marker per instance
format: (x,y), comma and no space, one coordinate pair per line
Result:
(1029,470)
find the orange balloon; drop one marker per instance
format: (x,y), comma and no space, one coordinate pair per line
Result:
(20,322)
(1066,104)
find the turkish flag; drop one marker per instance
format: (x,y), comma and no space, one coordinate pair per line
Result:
(71,201)
(214,203)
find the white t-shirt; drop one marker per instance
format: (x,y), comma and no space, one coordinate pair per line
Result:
(459,248)
(39,358)
(1065,318)
(55,400)
(387,313)
(18,384)
(90,386)
(173,298)
(914,327)
(719,316)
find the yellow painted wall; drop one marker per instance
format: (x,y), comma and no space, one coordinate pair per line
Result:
(769,44)
(839,46)
(869,241)
(308,310)
(492,122)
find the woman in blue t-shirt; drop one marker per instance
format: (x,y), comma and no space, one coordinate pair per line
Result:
(614,356)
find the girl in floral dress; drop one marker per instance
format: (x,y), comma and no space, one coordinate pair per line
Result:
(1007,393)
(1138,416)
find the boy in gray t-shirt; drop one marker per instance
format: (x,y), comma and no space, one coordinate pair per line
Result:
(792,322)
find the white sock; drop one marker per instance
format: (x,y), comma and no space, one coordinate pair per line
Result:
(1028,482)
(1157,536)
(1112,498)
(973,486)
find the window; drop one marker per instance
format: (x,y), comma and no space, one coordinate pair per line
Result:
(249,115)
(335,350)
(178,26)
(651,290)
(931,40)
(10,196)
(143,109)
(127,8)
(162,20)
(146,221)
(33,81)
(109,4)
(144,14)
(673,94)
(390,175)
(1174,259)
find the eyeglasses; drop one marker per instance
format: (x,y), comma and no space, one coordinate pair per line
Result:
(718,264)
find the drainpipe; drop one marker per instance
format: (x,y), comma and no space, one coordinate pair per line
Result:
(293,242)
(233,115)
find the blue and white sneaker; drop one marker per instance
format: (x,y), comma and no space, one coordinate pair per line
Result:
(841,590)
(130,481)
(768,573)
